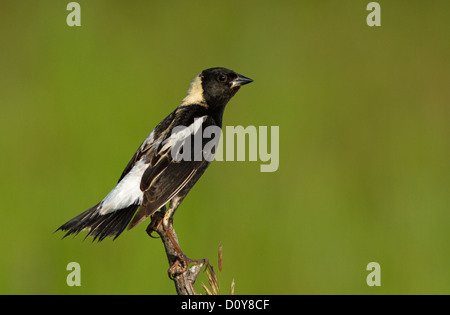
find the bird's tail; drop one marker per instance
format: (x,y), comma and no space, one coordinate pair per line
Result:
(100,226)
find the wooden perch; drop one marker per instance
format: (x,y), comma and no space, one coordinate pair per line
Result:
(183,277)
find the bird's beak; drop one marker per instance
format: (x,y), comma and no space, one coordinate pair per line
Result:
(240,80)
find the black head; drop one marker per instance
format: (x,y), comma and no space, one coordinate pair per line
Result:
(220,85)
(214,87)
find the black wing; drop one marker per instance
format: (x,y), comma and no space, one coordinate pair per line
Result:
(166,177)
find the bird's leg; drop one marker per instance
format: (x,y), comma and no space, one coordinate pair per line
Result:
(162,223)
(181,262)
(155,222)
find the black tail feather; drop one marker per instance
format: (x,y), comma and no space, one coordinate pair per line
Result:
(100,226)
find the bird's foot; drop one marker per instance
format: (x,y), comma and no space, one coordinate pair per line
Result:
(181,265)
(179,261)
(156,221)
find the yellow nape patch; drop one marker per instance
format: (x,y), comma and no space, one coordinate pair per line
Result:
(195,93)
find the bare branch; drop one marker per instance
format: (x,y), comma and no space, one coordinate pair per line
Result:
(183,277)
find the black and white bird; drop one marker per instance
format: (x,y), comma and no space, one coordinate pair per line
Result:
(154,176)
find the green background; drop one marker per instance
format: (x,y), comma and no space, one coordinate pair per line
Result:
(364,126)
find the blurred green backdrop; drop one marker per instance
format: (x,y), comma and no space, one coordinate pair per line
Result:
(364,142)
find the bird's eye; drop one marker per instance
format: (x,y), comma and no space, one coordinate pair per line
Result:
(222,77)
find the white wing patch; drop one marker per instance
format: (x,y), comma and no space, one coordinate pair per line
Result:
(127,192)
(180,133)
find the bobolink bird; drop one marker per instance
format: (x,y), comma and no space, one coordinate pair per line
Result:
(154,176)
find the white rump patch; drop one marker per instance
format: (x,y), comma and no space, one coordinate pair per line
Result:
(127,192)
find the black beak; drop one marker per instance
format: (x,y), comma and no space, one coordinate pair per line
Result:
(241,80)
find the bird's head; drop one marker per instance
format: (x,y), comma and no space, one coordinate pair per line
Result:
(214,87)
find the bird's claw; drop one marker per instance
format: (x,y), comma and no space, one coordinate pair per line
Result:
(181,264)
(154,224)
